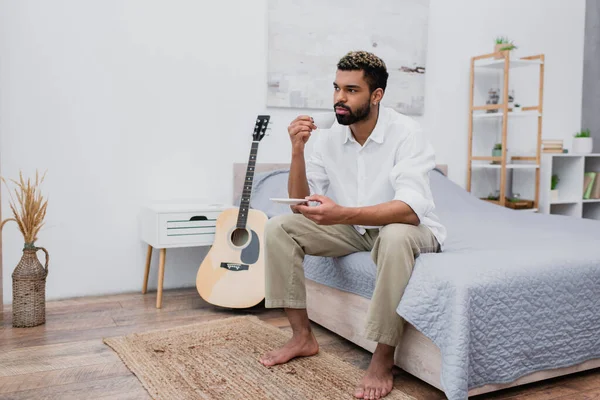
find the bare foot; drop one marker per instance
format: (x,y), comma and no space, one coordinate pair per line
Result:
(300,345)
(378,381)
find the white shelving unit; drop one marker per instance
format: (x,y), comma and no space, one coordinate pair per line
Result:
(570,169)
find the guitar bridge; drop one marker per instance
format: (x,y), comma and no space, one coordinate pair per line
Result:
(234,266)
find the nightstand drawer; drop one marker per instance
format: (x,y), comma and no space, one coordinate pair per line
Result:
(196,238)
(180,224)
(188,217)
(184,228)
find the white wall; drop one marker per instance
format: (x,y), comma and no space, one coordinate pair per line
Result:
(123,102)
(460,29)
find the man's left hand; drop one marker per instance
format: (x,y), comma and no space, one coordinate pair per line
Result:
(326,213)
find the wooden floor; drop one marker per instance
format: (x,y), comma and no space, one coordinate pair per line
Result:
(66,359)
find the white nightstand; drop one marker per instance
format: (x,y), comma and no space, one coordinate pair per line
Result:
(171,225)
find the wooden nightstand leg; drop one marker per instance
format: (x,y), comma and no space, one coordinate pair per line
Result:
(161,275)
(147,271)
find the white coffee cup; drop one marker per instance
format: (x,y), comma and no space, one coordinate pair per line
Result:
(324,120)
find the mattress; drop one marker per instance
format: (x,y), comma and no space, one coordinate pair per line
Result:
(512,293)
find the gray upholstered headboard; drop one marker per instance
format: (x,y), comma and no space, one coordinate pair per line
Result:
(239,173)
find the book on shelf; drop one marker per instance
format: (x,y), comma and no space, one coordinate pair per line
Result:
(552,142)
(588,184)
(552,146)
(595,187)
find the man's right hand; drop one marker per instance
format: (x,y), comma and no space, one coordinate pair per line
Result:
(299,131)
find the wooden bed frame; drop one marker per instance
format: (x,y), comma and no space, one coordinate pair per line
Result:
(344,313)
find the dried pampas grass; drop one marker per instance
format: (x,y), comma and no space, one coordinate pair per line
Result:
(29,210)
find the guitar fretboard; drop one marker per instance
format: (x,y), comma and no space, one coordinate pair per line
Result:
(247,190)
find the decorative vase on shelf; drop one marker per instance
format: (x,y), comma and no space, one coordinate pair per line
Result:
(503,46)
(493,98)
(498,49)
(583,143)
(29,289)
(497,152)
(553,188)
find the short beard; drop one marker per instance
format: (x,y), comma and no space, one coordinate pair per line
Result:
(352,117)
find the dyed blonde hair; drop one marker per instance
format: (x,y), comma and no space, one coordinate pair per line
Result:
(373,67)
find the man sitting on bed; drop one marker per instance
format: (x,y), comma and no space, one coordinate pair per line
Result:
(375,164)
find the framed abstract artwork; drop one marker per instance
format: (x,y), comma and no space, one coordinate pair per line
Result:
(307,38)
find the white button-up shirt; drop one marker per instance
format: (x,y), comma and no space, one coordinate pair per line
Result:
(393,164)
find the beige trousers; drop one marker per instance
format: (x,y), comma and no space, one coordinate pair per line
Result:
(393,248)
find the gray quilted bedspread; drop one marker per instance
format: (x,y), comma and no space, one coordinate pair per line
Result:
(512,293)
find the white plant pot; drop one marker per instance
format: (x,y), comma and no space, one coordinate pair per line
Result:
(583,145)
(554,195)
(517,109)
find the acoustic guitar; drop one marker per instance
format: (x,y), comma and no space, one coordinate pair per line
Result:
(232,274)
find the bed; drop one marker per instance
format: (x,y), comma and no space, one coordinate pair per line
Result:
(514,297)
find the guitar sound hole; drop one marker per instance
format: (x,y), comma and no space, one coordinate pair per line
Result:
(239,237)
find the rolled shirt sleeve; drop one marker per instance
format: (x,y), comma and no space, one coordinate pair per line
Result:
(410,175)
(316,174)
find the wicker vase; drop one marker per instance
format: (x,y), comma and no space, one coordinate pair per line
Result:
(29,289)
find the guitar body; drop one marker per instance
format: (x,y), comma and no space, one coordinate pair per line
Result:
(232,274)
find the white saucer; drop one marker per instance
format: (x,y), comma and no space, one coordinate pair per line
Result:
(288,201)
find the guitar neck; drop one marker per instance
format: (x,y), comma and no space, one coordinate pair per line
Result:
(247,189)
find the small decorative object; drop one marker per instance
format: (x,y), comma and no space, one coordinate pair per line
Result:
(511,97)
(582,142)
(517,108)
(497,152)
(517,203)
(553,189)
(503,45)
(29,276)
(493,196)
(493,98)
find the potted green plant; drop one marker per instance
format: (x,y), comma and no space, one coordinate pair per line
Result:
(517,108)
(582,142)
(553,190)
(502,45)
(497,152)
(493,197)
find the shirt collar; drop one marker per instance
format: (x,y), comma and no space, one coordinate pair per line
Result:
(348,135)
(376,135)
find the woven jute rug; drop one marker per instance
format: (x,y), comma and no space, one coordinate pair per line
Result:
(219,360)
